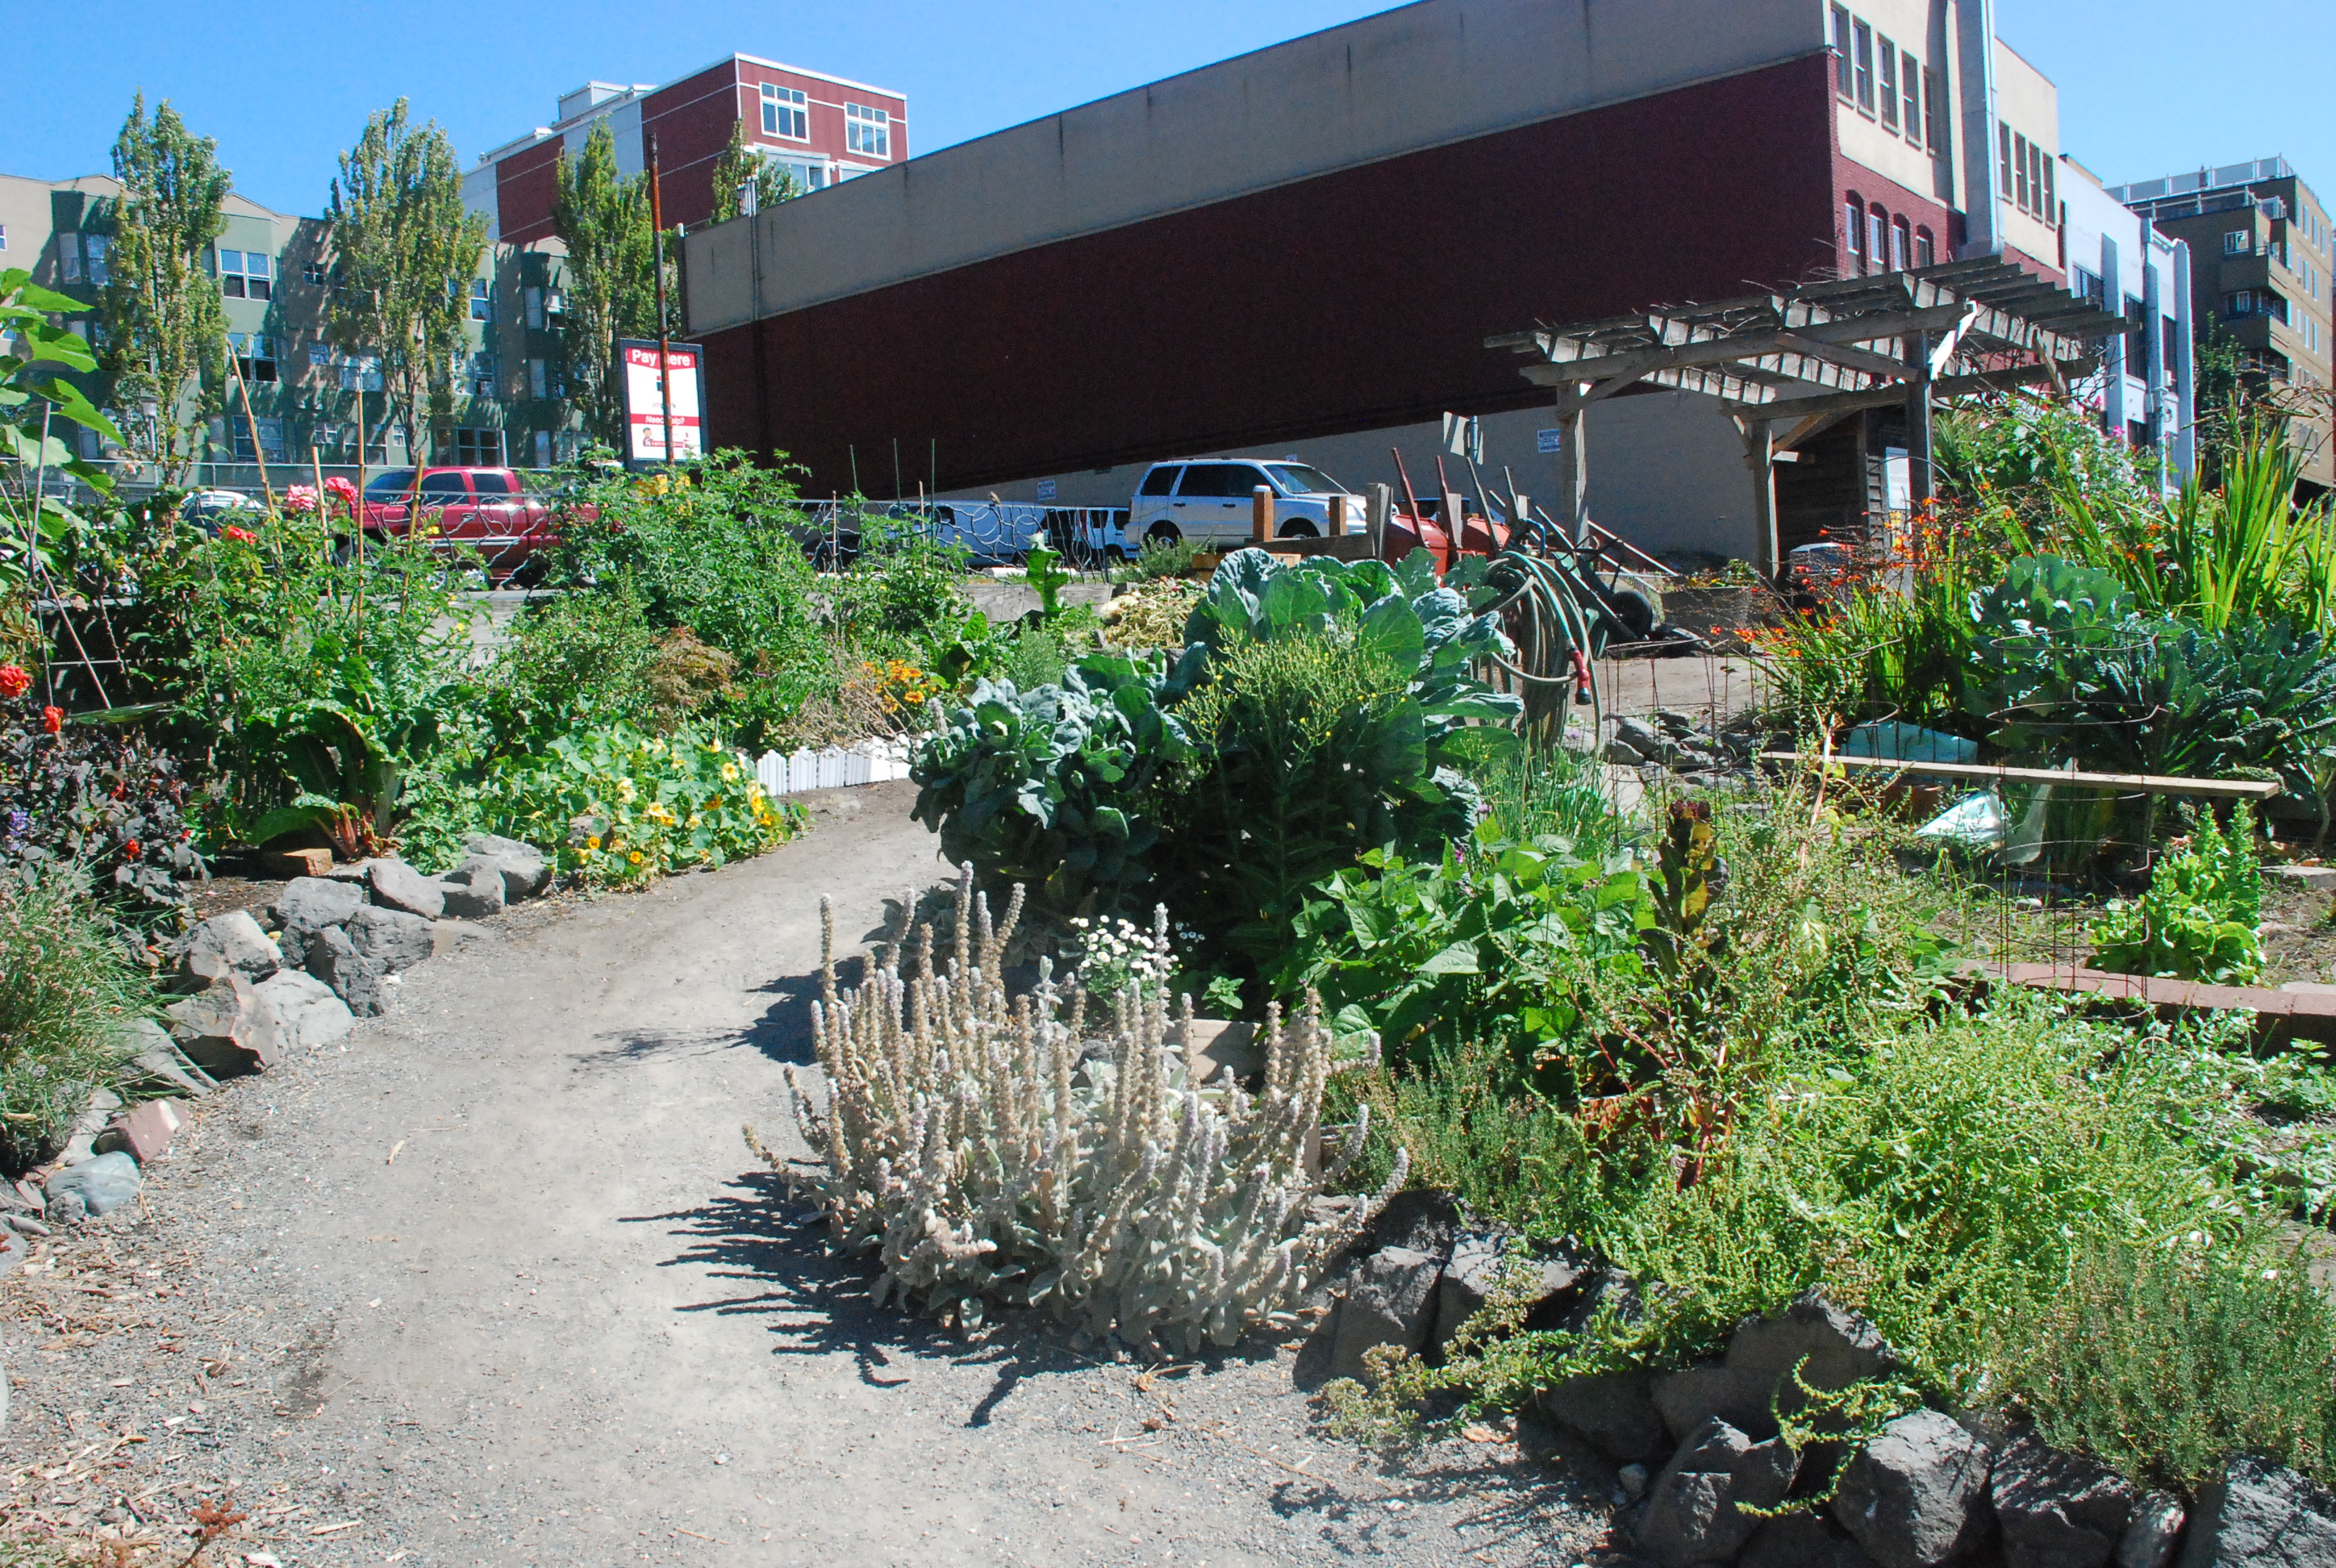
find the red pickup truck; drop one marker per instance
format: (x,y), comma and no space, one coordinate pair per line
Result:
(485,509)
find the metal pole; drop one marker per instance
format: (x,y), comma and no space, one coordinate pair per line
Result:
(665,336)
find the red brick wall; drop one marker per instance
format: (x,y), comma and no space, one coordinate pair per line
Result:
(1335,304)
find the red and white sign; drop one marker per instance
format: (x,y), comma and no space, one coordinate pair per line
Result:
(647,406)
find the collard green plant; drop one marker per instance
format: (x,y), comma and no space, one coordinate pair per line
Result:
(977,1148)
(1059,789)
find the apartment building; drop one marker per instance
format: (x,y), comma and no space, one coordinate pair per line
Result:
(2147,388)
(306,390)
(823,129)
(2262,257)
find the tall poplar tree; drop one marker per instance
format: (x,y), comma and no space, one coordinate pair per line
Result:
(739,167)
(603,219)
(406,253)
(165,332)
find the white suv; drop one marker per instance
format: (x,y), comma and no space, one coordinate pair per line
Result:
(1208,501)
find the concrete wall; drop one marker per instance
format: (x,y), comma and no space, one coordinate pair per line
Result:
(1423,76)
(1665,469)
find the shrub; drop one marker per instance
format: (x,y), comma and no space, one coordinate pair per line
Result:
(581,658)
(2197,921)
(983,1158)
(66,989)
(2165,1360)
(95,800)
(1161,557)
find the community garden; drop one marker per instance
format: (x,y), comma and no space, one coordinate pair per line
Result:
(1683,1066)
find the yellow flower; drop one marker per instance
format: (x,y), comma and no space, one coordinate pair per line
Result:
(693,822)
(593,843)
(624,789)
(634,857)
(729,772)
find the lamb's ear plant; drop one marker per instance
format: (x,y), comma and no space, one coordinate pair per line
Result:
(1060,1149)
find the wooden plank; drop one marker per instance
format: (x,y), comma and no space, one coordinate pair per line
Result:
(1883,398)
(2131,783)
(2279,1015)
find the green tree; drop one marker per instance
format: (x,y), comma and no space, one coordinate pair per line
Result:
(603,219)
(740,168)
(165,334)
(407,252)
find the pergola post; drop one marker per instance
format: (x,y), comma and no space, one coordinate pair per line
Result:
(1760,457)
(1922,482)
(1572,461)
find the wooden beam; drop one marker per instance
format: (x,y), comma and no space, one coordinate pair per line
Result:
(1883,398)
(2130,783)
(1874,365)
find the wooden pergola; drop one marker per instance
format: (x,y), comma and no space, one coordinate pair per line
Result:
(1787,365)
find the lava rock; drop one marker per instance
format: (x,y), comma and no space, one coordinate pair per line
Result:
(1912,1497)
(306,906)
(102,1184)
(526,872)
(1419,1220)
(474,890)
(2153,1532)
(1831,1348)
(398,886)
(1693,1515)
(1803,1541)
(2262,1514)
(2057,1510)
(224,945)
(1476,1267)
(308,1013)
(1619,754)
(1390,1301)
(227,1031)
(354,959)
(1613,1412)
(1693,1395)
(1645,739)
(160,1064)
(66,1210)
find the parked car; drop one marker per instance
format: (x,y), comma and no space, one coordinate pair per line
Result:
(486,508)
(212,509)
(1209,501)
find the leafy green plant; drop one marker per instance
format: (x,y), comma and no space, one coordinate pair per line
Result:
(95,801)
(36,406)
(1161,557)
(2197,921)
(1490,938)
(66,990)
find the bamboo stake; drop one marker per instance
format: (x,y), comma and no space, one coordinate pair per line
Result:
(251,423)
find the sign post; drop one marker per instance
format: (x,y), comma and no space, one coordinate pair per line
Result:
(664,410)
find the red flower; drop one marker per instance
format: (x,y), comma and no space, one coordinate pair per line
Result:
(52,719)
(131,849)
(341,489)
(239,535)
(13,682)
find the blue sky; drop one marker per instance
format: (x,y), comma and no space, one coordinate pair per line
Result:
(2147,86)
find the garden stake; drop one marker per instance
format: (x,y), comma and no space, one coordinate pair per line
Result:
(251,422)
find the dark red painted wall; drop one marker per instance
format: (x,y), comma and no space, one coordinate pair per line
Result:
(527,185)
(1351,300)
(691,121)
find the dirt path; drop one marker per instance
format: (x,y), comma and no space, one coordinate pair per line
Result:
(497,1284)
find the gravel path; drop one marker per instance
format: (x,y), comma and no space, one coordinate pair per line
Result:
(498,1283)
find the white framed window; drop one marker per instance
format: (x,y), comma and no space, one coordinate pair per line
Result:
(1909,85)
(69,258)
(1841,50)
(867,131)
(4,237)
(477,448)
(1889,53)
(97,256)
(245,274)
(1934,137)
(323,356)
(538,380)
(255,356)
(786,112)
(482,300)
(1853,213)
(2238,243)
(482,372)
(534,297)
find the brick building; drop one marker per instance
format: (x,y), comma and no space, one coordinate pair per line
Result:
(823,129)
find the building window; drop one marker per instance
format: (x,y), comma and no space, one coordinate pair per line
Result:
(1933,137)
(539,379)
(1853,216)
(313,273)
(1901,244)
(868,130)
(2238,241)
(543,449)
(4,237)
(478,448)
(254,357)
(2047,201)
(534,297)
(1910,83)
(2170,342)
(482,302)
(1889,81)
(784,112)
(1863,59)
(2088,284)
(271,438)
(68,257)
(96,243)
(480,373)
(1841,50)
(2018,191)
(1877,239)
(244,274)
(1926,249)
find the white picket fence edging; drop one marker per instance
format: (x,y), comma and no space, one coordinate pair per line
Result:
(782,774)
